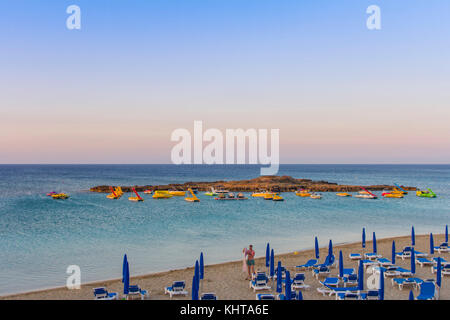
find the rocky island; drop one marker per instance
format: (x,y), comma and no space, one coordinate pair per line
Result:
(283,183)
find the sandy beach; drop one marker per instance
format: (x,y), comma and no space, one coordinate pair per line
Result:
(228,281)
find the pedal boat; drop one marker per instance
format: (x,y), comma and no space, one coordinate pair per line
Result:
(343,194)
(177,193)
(162,194)
(60,196)
(426,193)
(315,196)
(277,197)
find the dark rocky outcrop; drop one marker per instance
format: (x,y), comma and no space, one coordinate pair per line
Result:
(284,183)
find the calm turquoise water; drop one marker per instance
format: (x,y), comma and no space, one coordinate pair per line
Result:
(40,237)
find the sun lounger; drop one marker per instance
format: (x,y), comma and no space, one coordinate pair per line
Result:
(424,262)
(367,262)
(102,294)
(427,291)
(330,262)
(442,248)
(177,288)
(371,295)
(264,296)
(404,272)
(435,261)
(355,256)
(208,296)
(327,290)
(322,271)
(384,262)
(411,282)
(260,283)
(388,271)
(308,265)
(299,282)
(283,272)
(372,256)
(261,273)
(351,279)
(348,296)
(330,282)
(419,254)
(445,269)
(282,296)
(135,292)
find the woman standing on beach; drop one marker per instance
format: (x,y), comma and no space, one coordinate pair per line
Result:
(249,254)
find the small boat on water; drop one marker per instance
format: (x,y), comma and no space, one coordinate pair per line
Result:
(60,196)
(303,193)
(114,195)
(193,197)
(137,198)
(400,189)
(426,193)
(177,193)
(221,190)
(211,193)
(261,193)
(269,196)
(343,194)
(162,194)
(277,197)
(365,194)
(315,196)
(230,196)
(392,195)
(148,191)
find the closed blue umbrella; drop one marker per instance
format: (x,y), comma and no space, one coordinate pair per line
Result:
(439,273)
(413,237)
(279,275)
(194,288)
(126,280)
(361,276)
(287,288)
(317,248)
(413,261)
(446,233)
(411,295)
(272,264)
(374,243)
(431,244)
(300,295)
(202,267)
(363,238)
(341,265)
(330,248)
(267,255)
(197,274)
(381,291)
(124,264)
(393,252)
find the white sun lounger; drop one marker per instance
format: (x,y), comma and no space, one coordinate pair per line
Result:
(177,288)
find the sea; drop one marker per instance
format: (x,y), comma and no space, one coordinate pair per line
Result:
(41,237)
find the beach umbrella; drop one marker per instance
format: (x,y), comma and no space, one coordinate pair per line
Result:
(446,233)
(287,286)
(194,288)
(413,237)
(126,280)
(202,266)
(363,238)
(267,255)
(272,264)
(381,290)
(300,295)
(279,276)
(439,273)
(124,264)
(317,248)
(197,274)
(330,249)
(411,295)
(360,276)
(431,244)
(341,265)
(413,261)
(374,243)
(393,252)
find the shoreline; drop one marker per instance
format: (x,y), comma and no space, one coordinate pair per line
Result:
(230,271)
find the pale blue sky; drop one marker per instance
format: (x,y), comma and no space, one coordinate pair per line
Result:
(113,91)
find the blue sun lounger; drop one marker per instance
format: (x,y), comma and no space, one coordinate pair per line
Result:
(102,294)
(355,256)
(264,296)
(348,296)
(282,296)
(177,288)
(424,262)
(260,283)
(435,261)
(329,262)
(135,291)
(351,279)
(442,248)
(299,282)
(327,290)
(427,291)
(308,265)
(384,262)
(330,282)
(370,295)
(322,271)
(208,296)
(403,282)
(372,255)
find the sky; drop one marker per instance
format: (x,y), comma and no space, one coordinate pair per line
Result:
(115,90)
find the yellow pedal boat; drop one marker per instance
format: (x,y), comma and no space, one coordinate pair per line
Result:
(137,198)
(343,194)
(162,194)
(303,193)
(193,197)
(60,196)
(177,193)
(277,197)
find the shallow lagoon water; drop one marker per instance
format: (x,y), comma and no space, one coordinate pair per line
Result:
(40,237)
